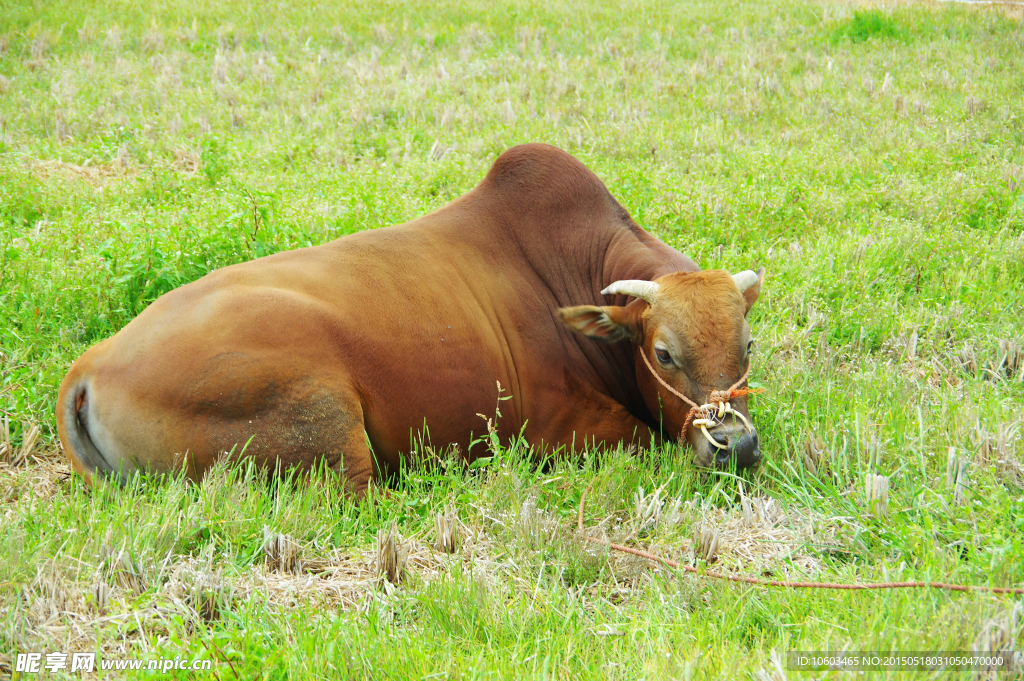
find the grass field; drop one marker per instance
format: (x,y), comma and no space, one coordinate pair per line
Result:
(871,159)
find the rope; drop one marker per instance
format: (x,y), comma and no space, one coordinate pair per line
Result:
(785,583)
(684,398)
(721,397)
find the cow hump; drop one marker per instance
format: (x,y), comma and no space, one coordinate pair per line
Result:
(540,177)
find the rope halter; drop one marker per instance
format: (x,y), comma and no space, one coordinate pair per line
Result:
(712,414)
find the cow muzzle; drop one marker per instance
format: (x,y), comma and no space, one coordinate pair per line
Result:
(740,445)
(722,442)
(727,436)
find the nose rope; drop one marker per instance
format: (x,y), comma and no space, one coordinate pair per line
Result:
(712,413)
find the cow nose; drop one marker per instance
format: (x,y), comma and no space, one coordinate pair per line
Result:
(745,446)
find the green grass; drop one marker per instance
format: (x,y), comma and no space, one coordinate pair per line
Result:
(871,160)
(867,25)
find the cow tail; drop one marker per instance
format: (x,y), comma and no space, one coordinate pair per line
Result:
(73,429)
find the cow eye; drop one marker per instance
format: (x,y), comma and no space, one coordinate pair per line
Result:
(663,356)
(750,346)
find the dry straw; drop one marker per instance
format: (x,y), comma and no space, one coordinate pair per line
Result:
(956,475)
(17,456)
(446,529)
(997,451)
(1010,360)
(876,489)
(815,456)
(98,175)
(391,555)
(705,543)
(777,672)
(783,583)
(999,637)
(281,553)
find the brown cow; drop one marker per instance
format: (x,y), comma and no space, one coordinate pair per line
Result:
(343,354)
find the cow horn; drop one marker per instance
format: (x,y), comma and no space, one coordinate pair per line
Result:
(648,290)
(744,279)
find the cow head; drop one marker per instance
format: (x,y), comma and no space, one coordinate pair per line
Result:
(692,329)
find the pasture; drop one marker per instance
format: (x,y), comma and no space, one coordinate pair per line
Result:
(872,160)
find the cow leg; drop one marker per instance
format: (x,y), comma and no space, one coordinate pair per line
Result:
(601,420)
(117,418)
(356,465)
(307,424)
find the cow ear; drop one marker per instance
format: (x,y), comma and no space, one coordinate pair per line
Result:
(612,323)
(752,292)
